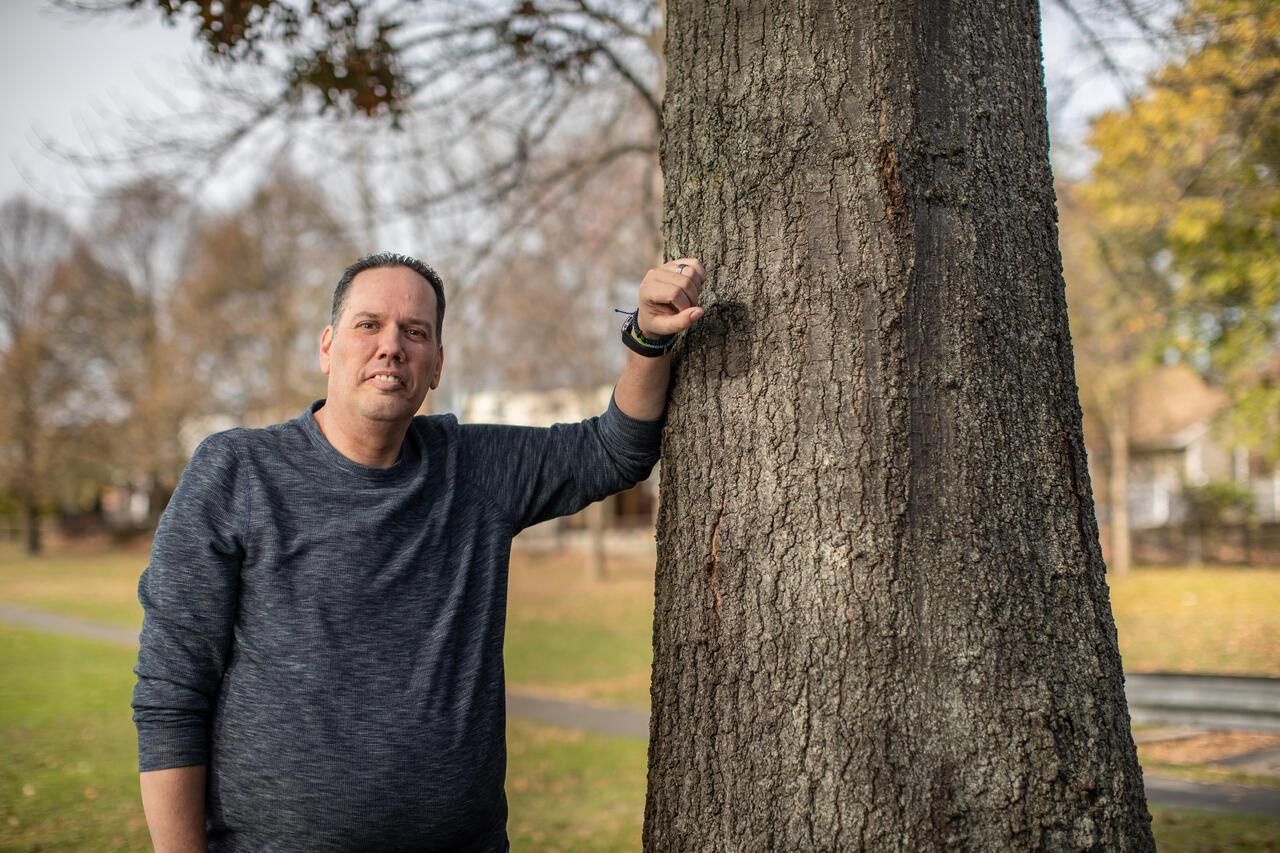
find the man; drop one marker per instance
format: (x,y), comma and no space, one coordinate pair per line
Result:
(321,659)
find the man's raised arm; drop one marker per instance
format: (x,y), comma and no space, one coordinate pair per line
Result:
(667,305)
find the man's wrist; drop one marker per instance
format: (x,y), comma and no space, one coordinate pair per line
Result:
(648,338)
(644,344)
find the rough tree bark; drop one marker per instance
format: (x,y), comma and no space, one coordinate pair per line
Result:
(882,621)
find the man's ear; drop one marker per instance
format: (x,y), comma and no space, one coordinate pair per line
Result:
(326,341)
(435,380)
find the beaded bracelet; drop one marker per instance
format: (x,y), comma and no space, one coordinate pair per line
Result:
(636,340)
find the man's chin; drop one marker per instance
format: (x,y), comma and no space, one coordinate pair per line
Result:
(390,408)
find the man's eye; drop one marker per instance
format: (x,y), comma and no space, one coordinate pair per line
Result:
(365,324)
(417,333)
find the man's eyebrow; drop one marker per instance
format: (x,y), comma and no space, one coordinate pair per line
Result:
(408,321)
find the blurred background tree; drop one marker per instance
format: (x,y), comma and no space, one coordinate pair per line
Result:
(493,97)
(1184,201)
(34,379)
(255,296)
(1117,320)
(121,340)
(140,235)
(516,142)
(519,140)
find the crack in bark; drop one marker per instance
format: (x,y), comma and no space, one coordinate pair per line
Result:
(712,562)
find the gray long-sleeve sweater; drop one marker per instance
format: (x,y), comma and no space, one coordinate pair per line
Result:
(327,637)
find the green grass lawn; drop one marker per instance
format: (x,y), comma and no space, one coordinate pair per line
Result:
(566,635)
(574,637)
(567,790)
(1217,620)
(67,779)
(578,638)
(100,586)
(1208,773)
(1179,831)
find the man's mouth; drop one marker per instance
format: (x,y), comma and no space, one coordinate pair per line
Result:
(386,381)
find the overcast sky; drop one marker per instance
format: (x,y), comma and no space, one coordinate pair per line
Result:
(66,77)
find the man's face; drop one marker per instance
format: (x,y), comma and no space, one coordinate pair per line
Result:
(383,357)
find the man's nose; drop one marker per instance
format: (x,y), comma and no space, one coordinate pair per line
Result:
(390,345)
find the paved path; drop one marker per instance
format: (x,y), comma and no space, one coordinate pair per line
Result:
(55,624)
(630,722)
(620,722)
(1233,799)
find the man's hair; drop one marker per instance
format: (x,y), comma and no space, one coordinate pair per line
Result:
(381,260)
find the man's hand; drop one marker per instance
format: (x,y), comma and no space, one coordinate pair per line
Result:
(668,302)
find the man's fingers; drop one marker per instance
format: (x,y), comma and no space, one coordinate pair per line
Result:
(692,268)
(679,281)
(688,278)
(669,297)
(688,317)
(663,293)
(671,324)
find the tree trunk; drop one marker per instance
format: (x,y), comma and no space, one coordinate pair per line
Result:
(30,487)
(31,541)
(882,620)
(597,519)
(1118,443)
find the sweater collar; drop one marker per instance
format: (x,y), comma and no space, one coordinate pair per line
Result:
(409,459)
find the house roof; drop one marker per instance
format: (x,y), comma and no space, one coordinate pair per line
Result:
(1171,407)
(534,408)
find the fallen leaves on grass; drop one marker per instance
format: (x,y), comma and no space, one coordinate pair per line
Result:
(1207,748)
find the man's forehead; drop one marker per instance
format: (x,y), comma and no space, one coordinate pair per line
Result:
(374,286)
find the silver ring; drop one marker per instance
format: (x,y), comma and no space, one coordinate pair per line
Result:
(680,268)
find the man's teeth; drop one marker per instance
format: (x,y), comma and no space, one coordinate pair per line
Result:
(387,377)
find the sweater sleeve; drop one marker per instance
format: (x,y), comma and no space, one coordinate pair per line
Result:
(188,593)
(536,473)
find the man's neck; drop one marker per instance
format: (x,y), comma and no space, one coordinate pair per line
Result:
(376,448)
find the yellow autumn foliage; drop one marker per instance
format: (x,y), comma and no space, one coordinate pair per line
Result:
(1185,194)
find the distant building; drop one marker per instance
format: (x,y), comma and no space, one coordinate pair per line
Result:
(1175,447)
(534,408)
(633,509)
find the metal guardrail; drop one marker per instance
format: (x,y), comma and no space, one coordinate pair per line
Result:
(1217,702)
